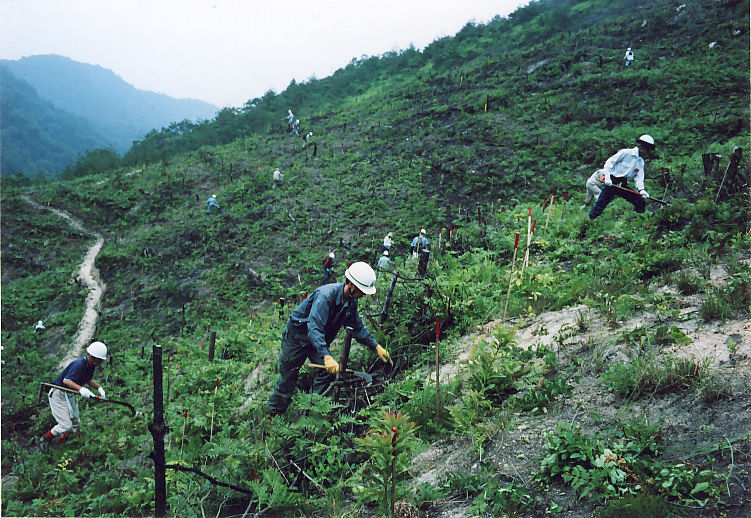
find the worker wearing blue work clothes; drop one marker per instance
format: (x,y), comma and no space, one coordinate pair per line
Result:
(314,324)
(63,404)
(295,128)
(211,202)
(419,244)
(383,262)
(627,163)
(328,267)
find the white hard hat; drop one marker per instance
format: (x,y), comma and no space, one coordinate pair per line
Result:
(628,48)
(331,255)
(298,120)
(213,195)
(648,140)
(362,276)
(422,231)
(97,350)
(389,234)
(385,252)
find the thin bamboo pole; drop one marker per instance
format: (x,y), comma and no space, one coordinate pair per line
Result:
(511,275)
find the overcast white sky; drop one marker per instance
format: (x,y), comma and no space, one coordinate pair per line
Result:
(229,51)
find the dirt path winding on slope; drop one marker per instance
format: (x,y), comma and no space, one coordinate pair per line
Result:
(89,275)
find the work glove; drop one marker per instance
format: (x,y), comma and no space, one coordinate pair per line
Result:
(607,181)
(644,194)
(330,364)
(86,392)
(101,392)
(383,354)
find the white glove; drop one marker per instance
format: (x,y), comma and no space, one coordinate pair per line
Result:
(101,392)
(644,194)
(608,182)
(86,392)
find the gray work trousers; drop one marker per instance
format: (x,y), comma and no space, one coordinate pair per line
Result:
(296,348)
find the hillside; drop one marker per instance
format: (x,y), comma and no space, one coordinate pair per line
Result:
(617,384)
(37,137)
(120,112)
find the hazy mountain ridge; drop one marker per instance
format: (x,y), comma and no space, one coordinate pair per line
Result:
(37,137)
(117,110)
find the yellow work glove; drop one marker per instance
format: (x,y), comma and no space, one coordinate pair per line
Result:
(383,354)
(330,364)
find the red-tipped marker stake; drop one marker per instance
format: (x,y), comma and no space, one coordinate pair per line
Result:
(511,275)
(529,239)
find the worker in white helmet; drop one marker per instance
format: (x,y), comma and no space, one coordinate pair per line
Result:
(295,128)
(312,327)
(211,202)
(629,57)
(75,376)
(328,267)
(384,262)
(627,163)
(278,178)
(420,244)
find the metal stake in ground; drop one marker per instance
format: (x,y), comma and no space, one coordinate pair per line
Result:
(157,430)
(511,275)
(437,375)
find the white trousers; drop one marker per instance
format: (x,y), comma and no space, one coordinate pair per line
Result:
(65,411)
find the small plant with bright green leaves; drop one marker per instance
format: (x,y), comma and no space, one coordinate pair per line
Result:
(389,445)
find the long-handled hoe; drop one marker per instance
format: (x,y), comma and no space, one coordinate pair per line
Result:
(95,398)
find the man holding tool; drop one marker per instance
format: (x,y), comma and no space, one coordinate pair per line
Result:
(63,403)
(627,163)
(314,324)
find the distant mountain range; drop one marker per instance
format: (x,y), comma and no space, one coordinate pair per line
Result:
(53,108)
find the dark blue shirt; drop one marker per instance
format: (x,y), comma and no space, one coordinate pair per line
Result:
(320,317)
(79,371)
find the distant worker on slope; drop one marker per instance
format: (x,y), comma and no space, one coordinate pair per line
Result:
(278,178)
(211,202)
(328,267)
(419,244)
(387,242)
(306,138)
(295,127)
(593,186)
(63,404)
(627,163)
(39,326)
(384,262)
(629,57)
(312,327)
(289,118)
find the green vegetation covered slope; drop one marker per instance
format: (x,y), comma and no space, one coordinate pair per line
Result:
(398,148)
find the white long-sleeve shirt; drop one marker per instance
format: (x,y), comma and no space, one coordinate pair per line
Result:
(626,163)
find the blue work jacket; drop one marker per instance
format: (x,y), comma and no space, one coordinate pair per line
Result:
(319,318)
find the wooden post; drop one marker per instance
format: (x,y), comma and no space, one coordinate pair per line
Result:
(345,351)
(550,208)
(157,430)
(529,237)
(212,342)
(730,172)
(387,302)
